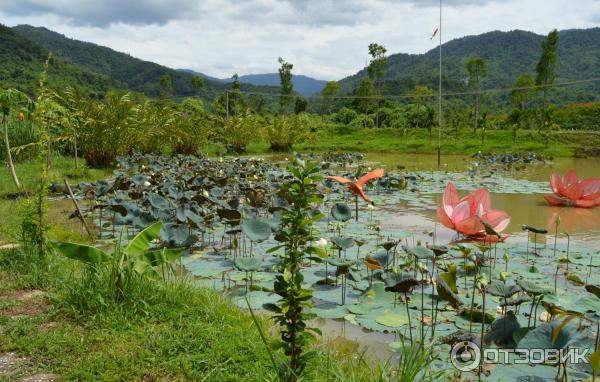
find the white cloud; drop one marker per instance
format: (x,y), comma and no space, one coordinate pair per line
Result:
(323,38)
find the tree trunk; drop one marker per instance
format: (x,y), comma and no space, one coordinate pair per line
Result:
(377,115)
(9,161)
(475,113)
(75,149)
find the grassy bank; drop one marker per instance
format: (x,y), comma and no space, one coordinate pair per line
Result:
(163,332)
(27,171)
(560,144)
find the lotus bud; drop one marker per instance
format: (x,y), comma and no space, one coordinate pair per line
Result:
(483,283)
(505,257)
(205,193)
(322,242)
(503,276)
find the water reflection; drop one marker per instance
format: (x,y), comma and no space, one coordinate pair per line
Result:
(582,224)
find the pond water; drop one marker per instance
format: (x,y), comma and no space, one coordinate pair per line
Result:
(524,208)
(583,225)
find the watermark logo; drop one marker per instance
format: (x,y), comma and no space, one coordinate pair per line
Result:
(467,356)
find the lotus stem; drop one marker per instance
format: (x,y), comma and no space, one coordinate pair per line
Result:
(535,312)
(568,247)
(482,344)
(356,207)
(422,311)
(408,314)
(527,251)
(597,335)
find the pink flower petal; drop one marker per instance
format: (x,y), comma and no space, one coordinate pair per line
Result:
(470,226)
(444,218)
(570,178)
(557,185)
(450,198)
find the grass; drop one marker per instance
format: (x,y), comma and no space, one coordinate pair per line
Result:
(62,167)
(561,144)
(182,333)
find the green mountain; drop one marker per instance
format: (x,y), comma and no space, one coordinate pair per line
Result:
(22,61)
(508,55)
(137,75)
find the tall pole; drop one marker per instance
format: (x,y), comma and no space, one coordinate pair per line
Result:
(439,147)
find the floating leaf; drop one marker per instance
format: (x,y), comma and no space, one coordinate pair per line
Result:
(341,212)
(256,229)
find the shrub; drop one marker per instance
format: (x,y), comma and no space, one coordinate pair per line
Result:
(283,132)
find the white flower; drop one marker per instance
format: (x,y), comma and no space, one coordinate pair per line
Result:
(146,184)
(205,193)
(370,206)
(322,242)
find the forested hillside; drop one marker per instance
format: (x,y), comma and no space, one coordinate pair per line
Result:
(507,54)
(21,62)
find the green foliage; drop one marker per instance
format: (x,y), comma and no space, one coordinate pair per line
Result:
(284,131)
(331,89)
(379,62)
(137,259)
(237,131)
(166,87)
(296,236)
(522,91)
(22,60)
(546,67)
(287,86)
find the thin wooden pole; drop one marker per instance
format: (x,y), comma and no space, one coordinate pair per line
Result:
(80,214)
(439,146)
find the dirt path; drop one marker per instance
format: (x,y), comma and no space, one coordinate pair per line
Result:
(12,366)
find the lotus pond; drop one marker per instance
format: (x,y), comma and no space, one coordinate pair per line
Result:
(392,273)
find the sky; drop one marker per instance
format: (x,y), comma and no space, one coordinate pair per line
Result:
(325,39)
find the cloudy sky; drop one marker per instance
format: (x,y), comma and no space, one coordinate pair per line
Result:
(326,39)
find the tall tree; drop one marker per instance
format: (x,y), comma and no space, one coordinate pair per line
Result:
(301,105)
(522,91)
(546,67)
(287,86)
(198,84)
(235,91)
(365,97)
(376,70)
(331,89)
(477,69)
(166,87)
(419,97)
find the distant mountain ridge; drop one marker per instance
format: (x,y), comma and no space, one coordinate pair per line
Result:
(508,55)
(304,85)
(24,48)
(138,75)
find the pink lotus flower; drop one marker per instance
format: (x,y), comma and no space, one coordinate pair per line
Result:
(467,215)
(572,191)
